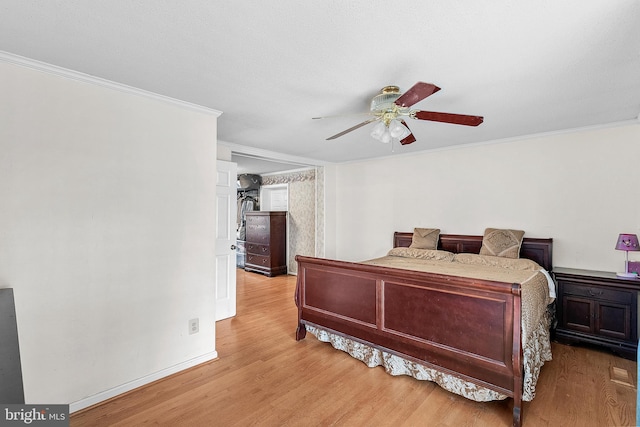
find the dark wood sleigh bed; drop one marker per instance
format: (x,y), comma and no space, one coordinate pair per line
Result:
(464,327)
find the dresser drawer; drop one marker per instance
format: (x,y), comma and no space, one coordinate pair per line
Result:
(257,249)
(257,229)
(258,260)
(595,292)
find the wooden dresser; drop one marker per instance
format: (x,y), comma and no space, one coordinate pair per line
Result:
(266,243)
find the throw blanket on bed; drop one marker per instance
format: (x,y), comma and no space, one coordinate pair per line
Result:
(537,293)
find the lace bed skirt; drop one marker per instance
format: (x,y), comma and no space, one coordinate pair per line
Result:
(536,353)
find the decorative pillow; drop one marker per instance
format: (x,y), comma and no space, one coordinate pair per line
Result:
(422,254)
(502,242)
(425,238)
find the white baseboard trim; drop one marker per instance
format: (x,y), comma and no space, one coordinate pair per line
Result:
(115,391)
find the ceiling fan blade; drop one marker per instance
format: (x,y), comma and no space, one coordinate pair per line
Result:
(359,125)
(417,93)
(368,113)
(456,119)
(409,138)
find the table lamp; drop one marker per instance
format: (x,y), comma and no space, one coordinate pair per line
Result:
(627,242)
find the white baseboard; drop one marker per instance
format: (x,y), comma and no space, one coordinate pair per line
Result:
(115,391)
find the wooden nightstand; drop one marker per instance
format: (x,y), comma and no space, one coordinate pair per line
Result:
(597,307)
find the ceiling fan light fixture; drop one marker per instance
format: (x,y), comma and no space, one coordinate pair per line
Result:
(378,130)
(386,137)
(381,132)
(397,130)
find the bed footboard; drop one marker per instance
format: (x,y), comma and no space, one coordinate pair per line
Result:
(469,328)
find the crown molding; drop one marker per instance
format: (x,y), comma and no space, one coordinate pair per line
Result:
(631,122)
(86,78)
(271,155)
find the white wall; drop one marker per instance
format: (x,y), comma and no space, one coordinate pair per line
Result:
(106,234)
(223,153)
(579,188)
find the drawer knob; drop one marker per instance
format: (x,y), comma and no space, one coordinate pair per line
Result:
(594,293)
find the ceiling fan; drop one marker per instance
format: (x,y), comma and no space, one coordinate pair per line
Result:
(389,108)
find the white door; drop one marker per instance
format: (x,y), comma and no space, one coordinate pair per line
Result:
(226,208)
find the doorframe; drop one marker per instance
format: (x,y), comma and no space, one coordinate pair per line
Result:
(297,163)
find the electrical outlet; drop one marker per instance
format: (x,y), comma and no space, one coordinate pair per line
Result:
(194,326)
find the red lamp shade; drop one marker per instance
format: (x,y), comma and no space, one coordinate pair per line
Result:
(627,243)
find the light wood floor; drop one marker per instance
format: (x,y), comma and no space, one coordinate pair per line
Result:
(263,377)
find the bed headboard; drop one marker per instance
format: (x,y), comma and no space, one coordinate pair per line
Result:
(538,250)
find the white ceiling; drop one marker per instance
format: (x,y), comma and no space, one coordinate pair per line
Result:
(528,67)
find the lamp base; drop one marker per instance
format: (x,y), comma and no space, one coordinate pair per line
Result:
(627,275)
